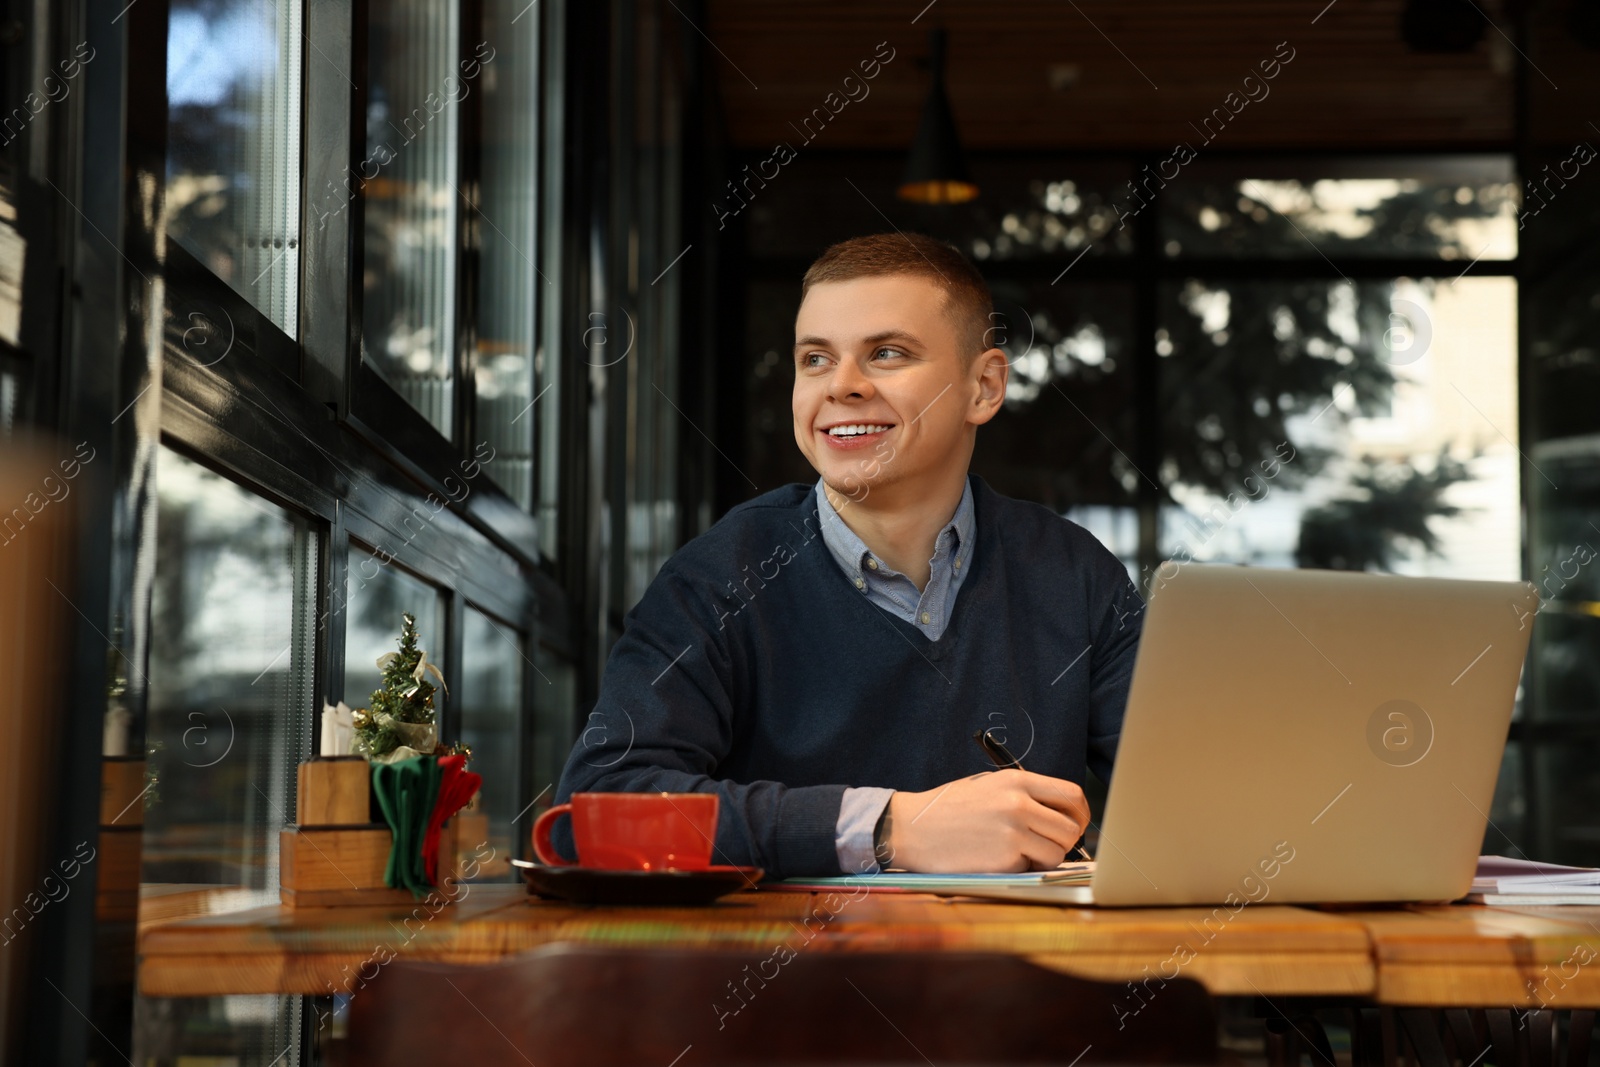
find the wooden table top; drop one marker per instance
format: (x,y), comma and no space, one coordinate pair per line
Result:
(1446,955)
(1413,955)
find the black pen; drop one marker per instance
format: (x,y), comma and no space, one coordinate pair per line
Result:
(1002,759)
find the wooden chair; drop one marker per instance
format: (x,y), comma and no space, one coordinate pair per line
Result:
(1432,1037)
(1503,1037)
(575,1005)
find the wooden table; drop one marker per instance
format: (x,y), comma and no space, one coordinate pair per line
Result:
(1418,955)
(1488,957)
(1269,949)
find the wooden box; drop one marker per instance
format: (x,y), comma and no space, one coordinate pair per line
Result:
(336,855)
(334,791)
(333,866)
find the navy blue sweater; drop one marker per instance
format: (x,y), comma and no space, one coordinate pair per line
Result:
(753,668)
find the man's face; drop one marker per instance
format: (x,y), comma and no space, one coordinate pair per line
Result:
(884,354)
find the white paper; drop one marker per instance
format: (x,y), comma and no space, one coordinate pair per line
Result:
(338,729)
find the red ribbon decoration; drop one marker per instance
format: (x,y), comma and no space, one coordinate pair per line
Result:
(457,787)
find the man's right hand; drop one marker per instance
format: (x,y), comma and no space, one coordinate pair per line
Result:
(997,821)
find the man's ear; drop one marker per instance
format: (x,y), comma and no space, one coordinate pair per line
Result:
(991,371)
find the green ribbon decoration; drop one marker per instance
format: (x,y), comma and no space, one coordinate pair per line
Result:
(407,791)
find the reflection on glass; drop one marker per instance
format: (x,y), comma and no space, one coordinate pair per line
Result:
(1467,211)
(379,593)
(10,392)
(1031,208)
(1508,813)
(770,458)
(233,145)
(1055,216)
(232,632)
(555,706)
(1357,426)
(1564,785)
(1560,321)
(1562,314)
(412,199)
(1564,565)
(232,644)
(1065,436)
(508,286)
(491,692)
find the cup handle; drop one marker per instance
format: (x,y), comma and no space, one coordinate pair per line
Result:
(541,837)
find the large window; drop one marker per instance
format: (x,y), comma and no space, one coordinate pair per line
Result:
(1274,362)
(1440,207)
(368,385)
(492,663)
(510,288)
(1335,424)
(233,145)
(452,290)
(379,593)
(412,201)
(1561,319)
(231,659)
(321,282)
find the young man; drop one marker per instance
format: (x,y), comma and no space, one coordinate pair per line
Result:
(822,656)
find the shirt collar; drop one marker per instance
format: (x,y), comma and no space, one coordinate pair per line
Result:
(852,553)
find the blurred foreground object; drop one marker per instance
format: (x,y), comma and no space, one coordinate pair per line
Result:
(36,507)
(578,1005)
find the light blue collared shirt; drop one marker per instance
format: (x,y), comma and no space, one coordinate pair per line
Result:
(928,610)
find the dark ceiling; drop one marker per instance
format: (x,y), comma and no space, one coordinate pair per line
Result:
(1126,75)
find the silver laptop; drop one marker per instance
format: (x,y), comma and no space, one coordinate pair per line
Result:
(1299,736)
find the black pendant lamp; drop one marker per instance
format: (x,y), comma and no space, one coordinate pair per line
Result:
(936,172)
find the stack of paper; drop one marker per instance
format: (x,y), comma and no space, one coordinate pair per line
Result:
(1524,882)
(944,884)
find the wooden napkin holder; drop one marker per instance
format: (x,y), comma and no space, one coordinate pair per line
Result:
(337,854)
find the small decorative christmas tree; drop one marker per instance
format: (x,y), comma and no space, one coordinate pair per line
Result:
(404,699)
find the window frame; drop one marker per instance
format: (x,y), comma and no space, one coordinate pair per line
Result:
(332,296)
(294,421)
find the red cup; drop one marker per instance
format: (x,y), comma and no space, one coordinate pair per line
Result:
(634,831)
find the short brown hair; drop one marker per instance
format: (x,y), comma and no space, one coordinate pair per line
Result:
(966,293)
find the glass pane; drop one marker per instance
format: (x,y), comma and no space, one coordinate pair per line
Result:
(769,457)
(554,334)
(1564,670)
(1564,555)
(656,288)
(1065,436)
(10,396)
(491,697)
(233,145)
(1034,211)
(1453,208)
(1564,788)
(379,594)
(232,648)
(412,200)
(1507,831)
(555,709)
(509,289)
(1028,208)
(1362,426)
(1560,311)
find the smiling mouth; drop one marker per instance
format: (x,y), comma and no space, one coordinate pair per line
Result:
(857,430)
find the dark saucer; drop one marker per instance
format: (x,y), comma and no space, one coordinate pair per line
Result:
(588,885)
